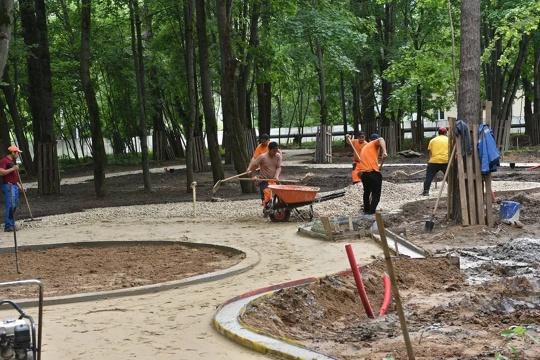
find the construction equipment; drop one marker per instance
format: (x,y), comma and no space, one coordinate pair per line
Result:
(18,339)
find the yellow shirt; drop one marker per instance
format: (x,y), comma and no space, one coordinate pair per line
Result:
(438,147)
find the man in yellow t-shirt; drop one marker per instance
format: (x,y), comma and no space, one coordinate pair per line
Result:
(438,158)
(370,172)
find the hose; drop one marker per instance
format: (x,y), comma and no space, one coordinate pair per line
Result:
(387,295)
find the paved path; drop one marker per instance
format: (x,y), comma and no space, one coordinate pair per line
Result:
(176,324)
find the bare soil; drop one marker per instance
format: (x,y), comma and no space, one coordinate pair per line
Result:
(450,313)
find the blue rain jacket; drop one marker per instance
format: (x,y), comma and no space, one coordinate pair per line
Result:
(487,150)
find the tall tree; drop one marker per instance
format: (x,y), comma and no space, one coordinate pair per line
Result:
(469,109)
(6,24)
(207,94)
(229,65)
(189,21)
(40,100)
(99,157)
(138,59)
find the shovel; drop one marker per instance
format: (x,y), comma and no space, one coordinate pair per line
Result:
(218,183)
(431,223)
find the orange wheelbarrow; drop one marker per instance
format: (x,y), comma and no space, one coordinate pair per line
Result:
(289,198)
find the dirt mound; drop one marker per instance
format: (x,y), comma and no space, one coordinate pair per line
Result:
(448,314)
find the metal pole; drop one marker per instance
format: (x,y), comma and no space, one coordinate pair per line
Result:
(12,212)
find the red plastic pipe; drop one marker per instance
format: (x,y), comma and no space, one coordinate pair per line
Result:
(387,295)
(358,281)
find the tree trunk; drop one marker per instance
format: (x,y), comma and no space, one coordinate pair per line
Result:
(229,65)
(6,24)
(34,24)
(189,8)
(207,94)
(137,49)
(99,157)
(469,107)
(343,102)
(367,99)
(18,123)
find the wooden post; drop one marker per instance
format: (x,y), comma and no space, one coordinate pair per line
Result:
(478,179)
(327,228)
(462,187)
(395,289)
(489,201)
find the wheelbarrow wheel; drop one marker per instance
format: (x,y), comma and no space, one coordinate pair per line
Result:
(280,215)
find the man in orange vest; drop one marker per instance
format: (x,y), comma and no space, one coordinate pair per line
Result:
(370,172)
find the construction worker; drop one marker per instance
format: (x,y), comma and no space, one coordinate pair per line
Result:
(438,158)
(269,165)
(357,144)
(370,174)
(10,185)
(261,148)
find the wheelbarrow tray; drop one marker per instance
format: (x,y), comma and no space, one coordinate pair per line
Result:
(295,194)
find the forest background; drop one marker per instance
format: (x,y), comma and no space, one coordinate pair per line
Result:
(85,71)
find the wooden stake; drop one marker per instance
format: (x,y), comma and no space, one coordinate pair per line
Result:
(395,289)
(462,188)
(478,179)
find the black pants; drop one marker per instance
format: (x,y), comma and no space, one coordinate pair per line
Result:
(432,170)
(372,182)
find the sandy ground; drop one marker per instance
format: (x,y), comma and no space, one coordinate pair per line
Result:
(176,324)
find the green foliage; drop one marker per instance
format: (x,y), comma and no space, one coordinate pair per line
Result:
(524,341)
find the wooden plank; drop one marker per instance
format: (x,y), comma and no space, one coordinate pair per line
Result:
(470,187)
(327,228)
(462,187)
(489,202)
(478,179)
(488,113)
(451,174)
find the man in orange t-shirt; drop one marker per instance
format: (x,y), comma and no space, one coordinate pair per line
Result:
(370,172)
(358,144)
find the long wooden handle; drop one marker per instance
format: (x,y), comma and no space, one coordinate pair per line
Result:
(350,143)
(450,161)
(289,181)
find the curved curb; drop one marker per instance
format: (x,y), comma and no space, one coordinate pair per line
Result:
(251,260)
(227,322)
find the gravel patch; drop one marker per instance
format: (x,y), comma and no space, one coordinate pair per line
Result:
(394,196)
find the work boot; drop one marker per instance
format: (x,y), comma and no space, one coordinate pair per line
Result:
(425,193)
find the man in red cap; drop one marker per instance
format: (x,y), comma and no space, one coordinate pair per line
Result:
(9,172)
(438,158)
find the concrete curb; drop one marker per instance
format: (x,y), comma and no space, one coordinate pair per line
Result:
(251,260)
(226,321)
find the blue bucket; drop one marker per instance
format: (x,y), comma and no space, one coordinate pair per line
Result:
(509,211)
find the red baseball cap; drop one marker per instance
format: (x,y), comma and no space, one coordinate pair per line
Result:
(442,129)
(13,148)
